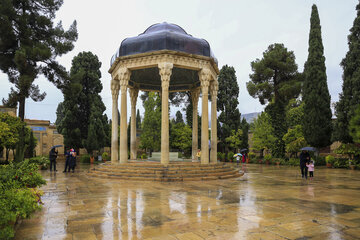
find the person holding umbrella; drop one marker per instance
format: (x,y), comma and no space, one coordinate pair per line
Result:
(52,156)
(304,159)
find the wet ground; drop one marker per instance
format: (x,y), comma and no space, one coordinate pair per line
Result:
(269,202)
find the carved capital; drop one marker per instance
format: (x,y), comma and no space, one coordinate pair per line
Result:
(205,76)
(115,86)
(165,70)
(195,93)
(133,96)
(214,88)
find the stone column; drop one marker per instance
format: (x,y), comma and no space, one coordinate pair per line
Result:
(165,70)
(124,76)
(213,152)
(204,76)
(133,97)
(195,99)
(115,85)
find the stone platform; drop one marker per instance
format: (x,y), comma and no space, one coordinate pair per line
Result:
(173,172)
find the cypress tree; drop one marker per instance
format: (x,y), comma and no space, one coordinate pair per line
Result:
(317,124)
(138,120)
(350,96)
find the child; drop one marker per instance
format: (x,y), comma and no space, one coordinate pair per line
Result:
(237,159)
(311,167)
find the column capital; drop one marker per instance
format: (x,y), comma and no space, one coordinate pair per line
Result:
(165,70)
(124,77)
(195,93)
(115,86)
(204,76)
(214,88)
(133,96)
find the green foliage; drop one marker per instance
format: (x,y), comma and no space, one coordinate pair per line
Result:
(16,199)
(341,163)
(227,103)
(251,155)
(151,135)
(181,137)
(42,161)
(30,43)
(235,139)
(230,156)
(330,159)
(10,128)
(80,116)
(105,156)
(317,125)
(31,145)
(275,80)
(85,158)
(294,139)
(263,137)
(350,149)
(354,126)
(144,156)
(268,157)
(349,99)
(294,113)
(138,120)
(179,117)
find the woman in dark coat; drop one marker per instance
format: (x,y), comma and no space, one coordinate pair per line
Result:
(72,160)
(304,158)
(52,158)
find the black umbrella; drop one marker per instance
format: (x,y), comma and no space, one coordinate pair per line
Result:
(243,150)
(311,149)
(56,146)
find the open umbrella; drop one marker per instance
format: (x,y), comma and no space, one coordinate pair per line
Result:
(56,146)
(243,150)
(238,154)
(311,149)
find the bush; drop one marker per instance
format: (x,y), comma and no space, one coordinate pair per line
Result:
(268,157)
(144,156)
(251,155)
(341,163)
(329,159)
(319,161)
(85,158)
(230,156)
(17,199)
(105,156)
(41,161)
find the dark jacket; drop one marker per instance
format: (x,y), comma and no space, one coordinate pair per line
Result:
(304,158)
(52,154)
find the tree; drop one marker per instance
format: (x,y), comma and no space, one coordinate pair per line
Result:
(179,117)
(151,126)
(181,137)
(354,125)
(263,133)
(138,120)
(29,45)
(294,113)
(350,96)
(294,140)
(31,145)
(227,103)
(83,123)
(235,140)
(275,80)
(10,128)
(245,134)
(317,123)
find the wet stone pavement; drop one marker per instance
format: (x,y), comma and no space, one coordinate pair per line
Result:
(268,202)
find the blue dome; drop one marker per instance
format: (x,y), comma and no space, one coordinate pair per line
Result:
(163,36)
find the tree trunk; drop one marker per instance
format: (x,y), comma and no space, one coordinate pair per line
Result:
(20,147)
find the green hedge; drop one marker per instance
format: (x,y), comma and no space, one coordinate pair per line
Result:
(85,158)
(18,194)
(41,161)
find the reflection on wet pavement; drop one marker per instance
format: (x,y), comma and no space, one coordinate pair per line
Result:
(268,202)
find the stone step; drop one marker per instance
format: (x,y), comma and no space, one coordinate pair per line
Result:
(158,171)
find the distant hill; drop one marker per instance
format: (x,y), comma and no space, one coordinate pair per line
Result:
(250,116)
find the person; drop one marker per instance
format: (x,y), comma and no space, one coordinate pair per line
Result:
(243,158)
(237,159)
(52,156)
(304,159)
(67,161)
(72,162)
(198,155)
(311,168)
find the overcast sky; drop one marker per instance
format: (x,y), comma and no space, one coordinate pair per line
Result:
(238,31)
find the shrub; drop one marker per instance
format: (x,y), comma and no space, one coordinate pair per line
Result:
(85,158)
(251,155)
(230,156)
(330,159)
(219,155)
(268,157)
(319,161)
(341,163)
(144,156)
(105,156)
(41,161)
